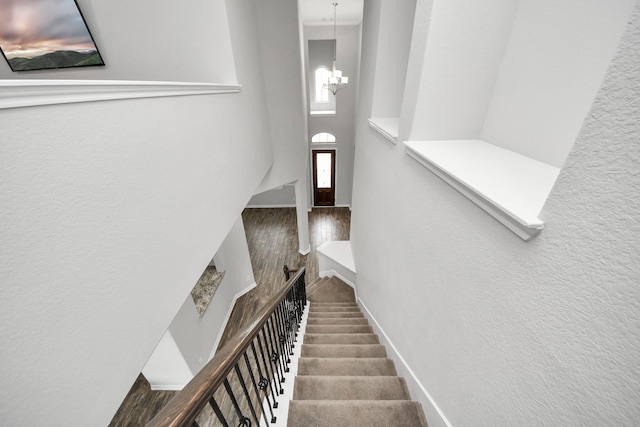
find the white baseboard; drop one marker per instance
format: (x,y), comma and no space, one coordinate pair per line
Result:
(305,251)
(227,317)
(286,205)
(165,387)
(435,416)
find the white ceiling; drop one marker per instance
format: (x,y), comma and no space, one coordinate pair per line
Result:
(320,12)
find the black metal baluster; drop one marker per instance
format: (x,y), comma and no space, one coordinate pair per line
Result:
(274,365)
(284,337)
(303,289)
(244,421)
(275,355)
(292,313)
(268,371)
(246,393)
(216,409)
(256,388)
(287,325)
(281,340)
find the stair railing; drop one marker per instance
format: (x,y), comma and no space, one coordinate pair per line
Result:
(288,271)
(243,381)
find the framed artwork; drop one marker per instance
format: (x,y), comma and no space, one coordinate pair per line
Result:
(45,34)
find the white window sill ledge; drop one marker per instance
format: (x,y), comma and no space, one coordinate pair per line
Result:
(28,93)
(386,126)
(323,113)
(510,187)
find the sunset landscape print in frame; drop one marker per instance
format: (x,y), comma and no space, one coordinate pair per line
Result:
(45,34)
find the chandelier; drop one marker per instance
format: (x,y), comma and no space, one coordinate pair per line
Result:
(336,80)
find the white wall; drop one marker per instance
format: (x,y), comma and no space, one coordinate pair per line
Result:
(462,56)
(280,52)
(555,61)
(197,336)
(142,41)
(342,124)
(504,332)
(394,42)
(166,369)
(110,212)
(282,196)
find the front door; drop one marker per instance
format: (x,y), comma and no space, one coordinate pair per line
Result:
(324,177)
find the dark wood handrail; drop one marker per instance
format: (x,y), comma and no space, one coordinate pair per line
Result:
(183,409)
(287,271)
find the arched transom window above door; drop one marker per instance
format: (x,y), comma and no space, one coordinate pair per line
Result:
(323,137)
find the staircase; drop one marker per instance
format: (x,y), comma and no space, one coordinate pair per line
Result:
(344,375)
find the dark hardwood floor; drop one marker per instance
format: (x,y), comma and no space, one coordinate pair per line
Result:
(273,241)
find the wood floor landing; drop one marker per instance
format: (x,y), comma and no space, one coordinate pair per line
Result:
(273,241)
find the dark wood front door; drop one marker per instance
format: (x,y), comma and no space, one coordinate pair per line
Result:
(324,177)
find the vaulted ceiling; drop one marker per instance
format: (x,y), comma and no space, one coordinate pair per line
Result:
(320,12)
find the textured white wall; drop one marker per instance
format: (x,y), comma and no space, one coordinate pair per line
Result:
(556,59)
(110,212)
(503,332)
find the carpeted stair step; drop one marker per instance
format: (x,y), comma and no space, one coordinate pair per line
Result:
(315,285)
(330,309)
(334,315)
(344,376)
(339,329)
(350,388)
(341,338)
(337,321)
(339,350)
(355,413)
(337,366)
(334,304)
(332,290)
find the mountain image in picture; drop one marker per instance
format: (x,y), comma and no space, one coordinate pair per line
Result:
(40,35)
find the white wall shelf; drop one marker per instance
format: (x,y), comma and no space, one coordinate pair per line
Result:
(28,93)
(386,126)
(510,187)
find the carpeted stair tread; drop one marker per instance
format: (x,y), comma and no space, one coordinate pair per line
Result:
(333,290)
(316,284)
(333,304)
(339,329)
(329,309)
(335,315)
(337,321)
(344,376)
(350,388)
(355,413)
(341,338)
(337,366)
(339,350)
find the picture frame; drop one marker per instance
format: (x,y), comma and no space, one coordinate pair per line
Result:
(44,35)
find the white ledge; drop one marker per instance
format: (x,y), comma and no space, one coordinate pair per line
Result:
(386,126)
(27,93)
(509,186)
